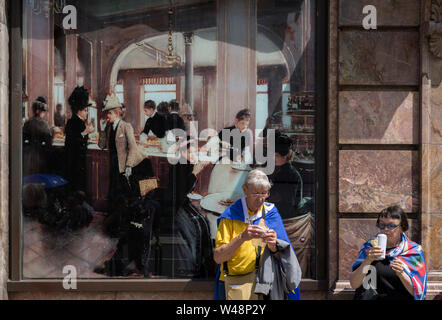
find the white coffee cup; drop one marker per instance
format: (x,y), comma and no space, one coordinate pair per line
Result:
(259,242)
(382,242)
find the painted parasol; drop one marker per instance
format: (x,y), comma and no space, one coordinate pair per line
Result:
(46,180)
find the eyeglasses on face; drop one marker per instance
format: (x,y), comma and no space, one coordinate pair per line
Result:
(390,226)
(259,195)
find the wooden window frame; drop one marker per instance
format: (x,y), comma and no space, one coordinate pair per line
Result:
(16,283)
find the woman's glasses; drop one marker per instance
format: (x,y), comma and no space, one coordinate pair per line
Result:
(260,195)
(389,226)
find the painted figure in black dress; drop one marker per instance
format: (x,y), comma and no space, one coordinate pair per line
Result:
(155,123)
(174,120)
(77,134)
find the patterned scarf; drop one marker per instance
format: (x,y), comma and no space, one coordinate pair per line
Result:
(411,254)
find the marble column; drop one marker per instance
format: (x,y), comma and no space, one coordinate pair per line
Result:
(431,135)
(236,68)
(332,141)
(4,146)
(188,70)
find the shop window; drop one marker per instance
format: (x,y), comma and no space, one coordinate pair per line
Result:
(76,219)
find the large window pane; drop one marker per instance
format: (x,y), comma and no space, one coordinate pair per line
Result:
(94,200)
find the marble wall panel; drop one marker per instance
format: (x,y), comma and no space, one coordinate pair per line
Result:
(434,114)
(432,178)
(378,117)
(4,147)
(379,58)
(431,114)
(353,233)
(369,180)
(432,241)
(389,12)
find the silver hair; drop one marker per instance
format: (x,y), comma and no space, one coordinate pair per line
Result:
(257,178)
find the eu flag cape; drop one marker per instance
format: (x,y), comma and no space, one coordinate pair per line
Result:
(238,211)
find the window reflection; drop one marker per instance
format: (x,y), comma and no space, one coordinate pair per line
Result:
(136,215)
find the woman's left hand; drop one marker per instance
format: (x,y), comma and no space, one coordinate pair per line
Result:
(270,239)
(397,266)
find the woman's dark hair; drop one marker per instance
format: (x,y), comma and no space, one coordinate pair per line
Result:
(174,105)
(163,108)
(395,212)
(149,104)
(243,114)
(282,144)
(79,99)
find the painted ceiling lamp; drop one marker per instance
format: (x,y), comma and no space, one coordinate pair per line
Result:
(172,60)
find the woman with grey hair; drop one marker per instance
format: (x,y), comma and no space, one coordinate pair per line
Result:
(258,178)
(251,218)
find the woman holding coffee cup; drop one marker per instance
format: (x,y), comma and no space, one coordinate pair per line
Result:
(401,274)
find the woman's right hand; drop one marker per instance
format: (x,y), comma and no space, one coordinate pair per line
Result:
(252,232)
(374,254)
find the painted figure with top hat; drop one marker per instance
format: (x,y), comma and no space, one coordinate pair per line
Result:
(126,160)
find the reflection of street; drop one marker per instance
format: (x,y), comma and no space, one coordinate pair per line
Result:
(45,252)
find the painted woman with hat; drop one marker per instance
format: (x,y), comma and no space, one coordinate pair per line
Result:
(37,140)
(127,163)
(77,134)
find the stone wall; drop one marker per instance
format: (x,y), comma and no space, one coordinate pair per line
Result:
(385,131)
(431,143)
(4,168)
